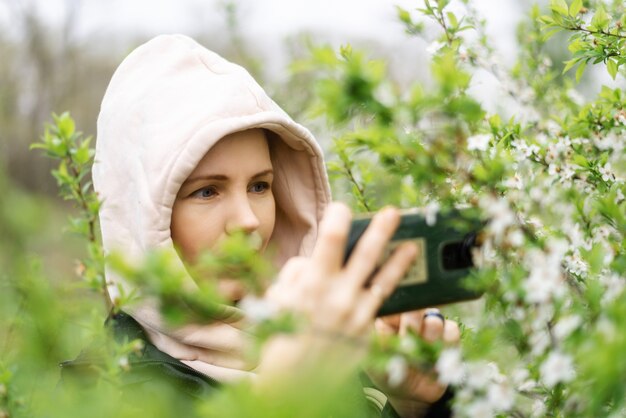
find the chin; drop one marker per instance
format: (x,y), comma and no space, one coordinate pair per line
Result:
(232,290)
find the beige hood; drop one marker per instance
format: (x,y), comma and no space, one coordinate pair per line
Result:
(167,104)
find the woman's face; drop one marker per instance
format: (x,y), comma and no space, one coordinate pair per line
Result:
(229,191)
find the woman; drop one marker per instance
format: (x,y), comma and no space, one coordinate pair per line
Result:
(190,150)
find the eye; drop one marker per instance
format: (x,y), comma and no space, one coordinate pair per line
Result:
(259,187)
(205,193)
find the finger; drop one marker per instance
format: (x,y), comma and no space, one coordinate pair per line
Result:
(432,325)
(392,321)
(423,386)
(291,270)
(389,275)
(328,253)
(371,245)
(451,333)
(384,328)
(284,289)
(411,321)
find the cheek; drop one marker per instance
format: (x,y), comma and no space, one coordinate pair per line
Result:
(193,231)
(267,217)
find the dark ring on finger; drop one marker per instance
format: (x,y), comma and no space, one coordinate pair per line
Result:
(435,314)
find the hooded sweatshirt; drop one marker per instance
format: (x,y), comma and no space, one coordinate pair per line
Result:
(167,104)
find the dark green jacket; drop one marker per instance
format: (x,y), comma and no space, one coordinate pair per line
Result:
(152,370)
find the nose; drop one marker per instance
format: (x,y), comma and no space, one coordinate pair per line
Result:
(242,217)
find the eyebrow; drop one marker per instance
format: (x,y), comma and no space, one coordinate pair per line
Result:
(221,177)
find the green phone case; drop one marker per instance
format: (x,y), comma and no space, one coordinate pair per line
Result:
(436,276)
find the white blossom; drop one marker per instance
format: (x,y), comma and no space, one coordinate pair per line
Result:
(607,328)
(545,280)
(533,149)
(450,367)
(514,182)
(610,141)
(553,128)
(551,153)
(543,314)
(554,169)
(538,409)
(557,247)
(478,375)
(526,95)
(537,194)
(528,114)
(522,381)
(524,149)
(430,213)
(539,341)
(123,363)
(397,370)
(518,313)
(527,385)
(565,326)
(575,235)
(575,264)
(557,368)
(542,138)
(575,96)
(520,375)
(619,196)
(563,145)
(257,309)
(478,142)
(600,233)
(567,173)
(500,396)
(434,47)
(606,172)
(500,214)
(480,408)
(613,287)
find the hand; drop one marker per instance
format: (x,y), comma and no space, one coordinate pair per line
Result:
(418,387)
(333,298)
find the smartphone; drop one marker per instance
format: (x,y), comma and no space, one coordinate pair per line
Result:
(444,259)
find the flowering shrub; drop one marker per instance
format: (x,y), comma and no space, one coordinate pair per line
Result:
(549,180)
(548,337)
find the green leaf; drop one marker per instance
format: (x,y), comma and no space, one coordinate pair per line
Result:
(495,122)
(404,15)
(612,67)
(580,160)
(575,7)
(441,4)
(66,125)
(580,70)
(559,6)
(345,51)
(452,19)
(576,45)
(551,33)
(466,106)
(82,154)
(569,64)
(595,258)
(37,145)
(600,19)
